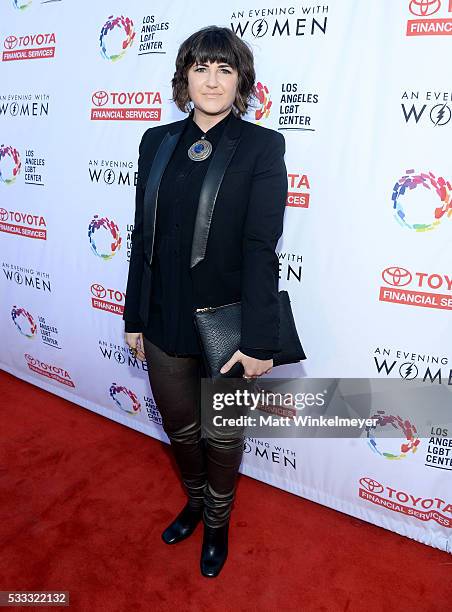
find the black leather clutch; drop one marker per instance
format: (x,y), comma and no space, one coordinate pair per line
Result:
(219,332)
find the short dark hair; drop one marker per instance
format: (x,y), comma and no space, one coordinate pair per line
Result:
(215,44)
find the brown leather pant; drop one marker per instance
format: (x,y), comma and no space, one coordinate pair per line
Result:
(208,466)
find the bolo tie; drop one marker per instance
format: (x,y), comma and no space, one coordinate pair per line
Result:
(200,150)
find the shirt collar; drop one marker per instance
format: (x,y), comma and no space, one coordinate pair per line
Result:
(213,132)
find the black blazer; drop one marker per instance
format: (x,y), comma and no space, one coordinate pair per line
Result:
(238,224)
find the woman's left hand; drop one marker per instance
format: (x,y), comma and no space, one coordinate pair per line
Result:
(253,367)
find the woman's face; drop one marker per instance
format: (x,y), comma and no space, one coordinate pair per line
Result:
(212,86)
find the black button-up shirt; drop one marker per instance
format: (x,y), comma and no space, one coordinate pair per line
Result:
(171,325)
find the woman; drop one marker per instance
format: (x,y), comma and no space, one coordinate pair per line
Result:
(210,201)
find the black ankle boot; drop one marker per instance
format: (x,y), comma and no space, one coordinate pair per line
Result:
(183,525)
(214,550)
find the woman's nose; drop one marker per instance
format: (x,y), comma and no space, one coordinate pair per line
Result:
(212,78)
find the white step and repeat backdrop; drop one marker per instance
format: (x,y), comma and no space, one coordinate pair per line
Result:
(359,90)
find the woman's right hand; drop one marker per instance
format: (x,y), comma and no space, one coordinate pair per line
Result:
(136,345)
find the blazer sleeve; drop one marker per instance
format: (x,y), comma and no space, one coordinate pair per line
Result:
(260,268)
(132,300)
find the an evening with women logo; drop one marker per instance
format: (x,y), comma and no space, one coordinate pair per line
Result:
(411,364)
(282,22)
(20,105)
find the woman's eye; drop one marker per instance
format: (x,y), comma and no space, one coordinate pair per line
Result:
(201,68)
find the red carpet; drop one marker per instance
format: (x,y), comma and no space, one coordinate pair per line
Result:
(84,500)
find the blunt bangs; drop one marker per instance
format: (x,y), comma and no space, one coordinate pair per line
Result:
(215,44)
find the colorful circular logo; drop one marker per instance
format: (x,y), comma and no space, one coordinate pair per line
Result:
(116,36)
(263,95)
(406,429)
(438,187)
(24,321)
(21,4)
(10,164)
(122,395)
(104,237)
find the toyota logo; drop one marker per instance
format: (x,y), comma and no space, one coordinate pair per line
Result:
(397,277)
(98,290)
(99,98)
(424,8)
(371,485)
(3,214)
(10,42)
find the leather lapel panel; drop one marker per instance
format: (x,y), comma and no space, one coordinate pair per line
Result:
(159,164)
(211,185)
